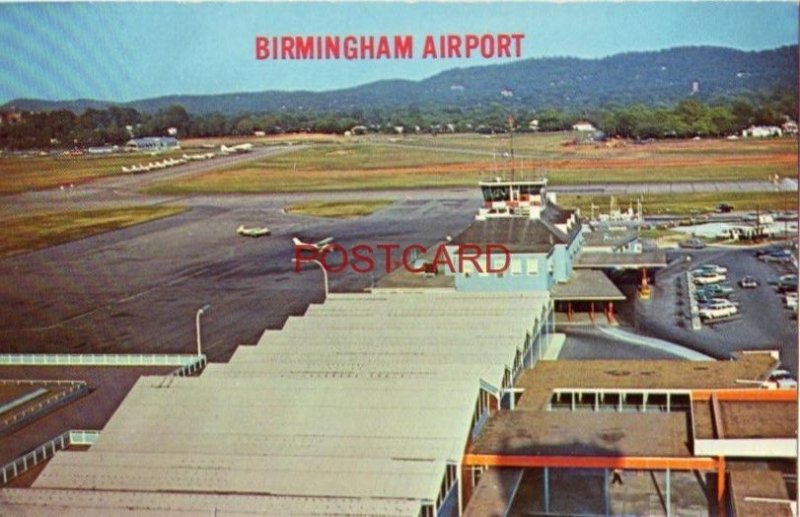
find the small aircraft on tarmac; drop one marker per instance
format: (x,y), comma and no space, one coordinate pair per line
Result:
(318,245)
(241,148)
(254,231)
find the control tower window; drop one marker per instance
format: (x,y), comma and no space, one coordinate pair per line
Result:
(495,193)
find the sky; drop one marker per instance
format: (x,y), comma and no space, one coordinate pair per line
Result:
(127,51)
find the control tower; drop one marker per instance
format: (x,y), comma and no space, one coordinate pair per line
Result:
(510,196)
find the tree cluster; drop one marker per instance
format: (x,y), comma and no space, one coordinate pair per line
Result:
(116,125)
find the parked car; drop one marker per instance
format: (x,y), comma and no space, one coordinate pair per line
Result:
(766,251)
(781,255)
(790,300)
(709,278)
(705,300)
(718,308)
(695,244)
(781,379)
(783,279)
(788,285)
(715,290)
(748,282)
(713,268)
(724,208)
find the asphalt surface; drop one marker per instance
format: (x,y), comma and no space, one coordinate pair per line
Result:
(764,322)
(137,289)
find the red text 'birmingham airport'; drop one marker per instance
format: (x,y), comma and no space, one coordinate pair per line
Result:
(366,258)
(383,46)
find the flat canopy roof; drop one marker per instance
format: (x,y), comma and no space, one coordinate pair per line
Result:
(664,374)
(599,259)
(360,407)
(584,433)
(746,420)
(751,491)
(101,503)
(533,431)
(605,238)
(587,285)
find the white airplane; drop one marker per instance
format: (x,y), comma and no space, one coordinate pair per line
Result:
(319,245)
(254,231)
(241,148)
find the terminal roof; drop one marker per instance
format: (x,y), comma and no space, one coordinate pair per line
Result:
(362,406)
(518,234)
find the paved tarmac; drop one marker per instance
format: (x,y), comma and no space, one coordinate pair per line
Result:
(137,289)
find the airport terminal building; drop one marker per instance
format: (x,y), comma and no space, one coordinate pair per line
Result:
(153,144)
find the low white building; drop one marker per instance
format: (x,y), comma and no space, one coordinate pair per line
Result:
(583,126)
(153,143)
(762,131)
(790,128)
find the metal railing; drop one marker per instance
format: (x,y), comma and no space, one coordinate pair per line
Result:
(198,363)
(44,452)
(37,382)
(14,421)
(97,359)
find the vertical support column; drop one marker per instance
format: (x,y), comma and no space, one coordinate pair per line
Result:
(668,495)
(528,359)
(467,486)
(460,492)
(546,479)
(591,311)
(606,495)
(540,341)
(721,506)
(569,311)
(669,410)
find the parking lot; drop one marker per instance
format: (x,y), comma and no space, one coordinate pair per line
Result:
(762,322)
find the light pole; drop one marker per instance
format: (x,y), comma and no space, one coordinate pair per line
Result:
(324,273)
(200,312)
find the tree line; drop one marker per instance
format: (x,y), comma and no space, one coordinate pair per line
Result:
(116,125)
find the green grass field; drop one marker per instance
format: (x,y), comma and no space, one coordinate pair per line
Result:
(544,145)
(417,161)
(22,174)
(686,204)
(383,163)
(31,232)
(338,209)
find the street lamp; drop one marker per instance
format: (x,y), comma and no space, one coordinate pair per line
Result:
(324,273)
(200,312)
